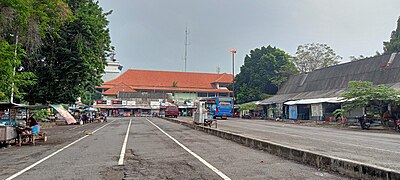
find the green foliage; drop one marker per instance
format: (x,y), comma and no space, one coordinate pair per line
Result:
(72,58)
(339,113)
(247,106)
(27,21)
(393,46)
(41,115)
(310,57)
(363,93)
(264,70)
(355,58)
(89,96)
(30,19)
(7,63)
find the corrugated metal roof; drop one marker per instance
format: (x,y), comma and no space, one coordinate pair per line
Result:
(332,81)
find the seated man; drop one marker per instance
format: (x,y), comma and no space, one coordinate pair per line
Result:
(36,129)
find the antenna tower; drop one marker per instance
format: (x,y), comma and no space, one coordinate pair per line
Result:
(186,44)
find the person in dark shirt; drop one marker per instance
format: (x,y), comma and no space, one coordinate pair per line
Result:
(33,122)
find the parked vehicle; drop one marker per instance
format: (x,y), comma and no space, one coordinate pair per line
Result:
(397,125)
(246,116)
(363,122)
(171,111)
(219,107)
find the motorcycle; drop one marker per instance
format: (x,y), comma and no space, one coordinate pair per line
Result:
(397,125)
(363,122)
(207,122)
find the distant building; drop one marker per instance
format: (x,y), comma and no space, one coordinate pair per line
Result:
(144,91)
(112,70)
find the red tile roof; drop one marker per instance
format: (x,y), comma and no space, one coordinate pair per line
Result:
(165,80)
(121,87)
(224,78)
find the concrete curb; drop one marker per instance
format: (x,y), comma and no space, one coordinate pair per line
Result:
(346,167)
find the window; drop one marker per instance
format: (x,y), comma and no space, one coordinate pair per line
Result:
(202,94)
(224,104)
(211,94)
(223,94)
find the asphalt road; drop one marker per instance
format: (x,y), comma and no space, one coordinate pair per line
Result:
(372,147)
(156,149)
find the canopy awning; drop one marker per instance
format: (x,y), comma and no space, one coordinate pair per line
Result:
(6,105)
(64,113)
(91,109)
(315,101)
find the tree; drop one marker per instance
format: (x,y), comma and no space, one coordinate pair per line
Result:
(247,106)
(393,46)
(354,58)
(72,58)
(364,93)
(22,24)
(263,71)
(310,57)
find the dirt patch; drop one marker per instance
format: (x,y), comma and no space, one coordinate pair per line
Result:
(116,172)
(137,167)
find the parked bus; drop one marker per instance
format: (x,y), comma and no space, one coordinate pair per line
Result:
(219,106)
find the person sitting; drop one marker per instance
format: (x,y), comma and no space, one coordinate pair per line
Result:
(36,129)
(33,122)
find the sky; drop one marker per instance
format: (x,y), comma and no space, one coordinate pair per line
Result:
(150,34)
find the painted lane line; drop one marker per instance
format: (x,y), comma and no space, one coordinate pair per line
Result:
(122,155)
(222,175)
(324,140)
(52,154)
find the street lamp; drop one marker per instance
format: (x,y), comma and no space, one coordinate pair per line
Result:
(233,52)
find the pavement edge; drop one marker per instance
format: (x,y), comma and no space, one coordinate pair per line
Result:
(346,167)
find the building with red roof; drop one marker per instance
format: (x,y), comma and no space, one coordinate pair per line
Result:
(164,86)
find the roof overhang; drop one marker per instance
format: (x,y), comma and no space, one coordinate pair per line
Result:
(315,101)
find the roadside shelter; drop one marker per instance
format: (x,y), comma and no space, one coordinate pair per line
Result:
(316,94)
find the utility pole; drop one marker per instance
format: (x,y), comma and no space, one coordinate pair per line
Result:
(13,80)
(233,52)
(218,69)
(186,44)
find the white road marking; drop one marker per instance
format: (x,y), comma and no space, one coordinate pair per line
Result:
(332,141)
(54,153)
(122,155)
(348,144)
(222,175)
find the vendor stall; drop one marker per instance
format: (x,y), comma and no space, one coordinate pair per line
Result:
(7,122)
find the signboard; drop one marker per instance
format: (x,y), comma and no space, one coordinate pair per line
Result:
(154,103)
(116,101)
(108,102)
(316,110)
(293,112)
(101,102)
(131,103)
(124,102)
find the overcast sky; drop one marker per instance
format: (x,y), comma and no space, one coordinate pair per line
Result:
(150,34)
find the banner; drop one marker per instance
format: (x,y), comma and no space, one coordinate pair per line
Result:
(64,113)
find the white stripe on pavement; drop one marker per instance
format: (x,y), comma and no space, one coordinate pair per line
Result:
(122,155)
(54,153)
(222,175)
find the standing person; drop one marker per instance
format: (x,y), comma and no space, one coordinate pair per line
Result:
(84,118)
(386,118)
(81,119)
(105,116)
